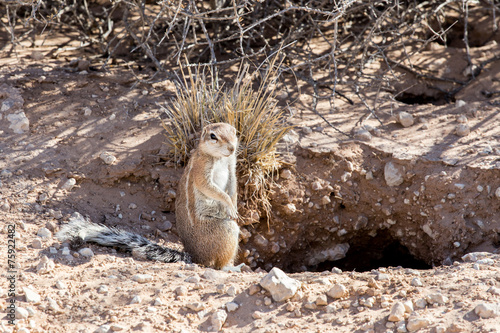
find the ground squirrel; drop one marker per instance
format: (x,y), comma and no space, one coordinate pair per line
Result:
(205,209)
(206,203)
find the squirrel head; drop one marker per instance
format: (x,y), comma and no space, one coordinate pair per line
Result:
(219,140)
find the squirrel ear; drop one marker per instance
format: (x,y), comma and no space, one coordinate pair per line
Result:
(234,130)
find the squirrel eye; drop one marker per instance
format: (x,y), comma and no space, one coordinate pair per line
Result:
(213,137)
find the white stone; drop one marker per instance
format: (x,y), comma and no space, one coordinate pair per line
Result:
(102,329)
(193,279)
(497,193)
(436,298)
(279,285)
(52,305)
(414,324)
(290,208)
(136,300)
(87,111)
(217,320)
(142,278)
(337,252)
(21,313)
(45,265)
(494,290)
(181,291)
(44,233)
(405,119)
(19,123)
(393,176)
(86,252)
(103,289)
(408,306)
(420,303)
(107,158)
(232,306)
(196,306)
(383,277)
(397,312)
(475,256)
(61,285)
(231,291)
(285,174)
(487,310)
(362,134)
(401,327)
(31,296)
(415,282)
(338,291)
(462,130)
(69,184)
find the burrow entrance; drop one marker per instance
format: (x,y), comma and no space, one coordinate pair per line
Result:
(365,254)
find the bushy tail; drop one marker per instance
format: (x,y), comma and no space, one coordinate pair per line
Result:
(81,230)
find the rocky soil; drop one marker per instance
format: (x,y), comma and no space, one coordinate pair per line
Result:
(393,230)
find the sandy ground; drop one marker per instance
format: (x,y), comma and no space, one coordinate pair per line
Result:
(404,269)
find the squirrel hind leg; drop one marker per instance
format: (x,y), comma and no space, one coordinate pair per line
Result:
(229,246)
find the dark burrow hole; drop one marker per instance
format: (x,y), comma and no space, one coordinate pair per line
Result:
(412,99)
(367,253)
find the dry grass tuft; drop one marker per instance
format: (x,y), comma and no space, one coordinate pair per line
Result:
(261,124)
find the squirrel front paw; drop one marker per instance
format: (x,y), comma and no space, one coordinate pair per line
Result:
(233,212)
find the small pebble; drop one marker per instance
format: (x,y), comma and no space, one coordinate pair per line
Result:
(103,289)
(44,233)
(103,329)
(37,243)
(231,291)
(462,130)
(21,313)
(69,184)
(87,111)
(405,119)
(142,278)
(181,291)
(217,320)
(285,174)
(338,291)
(107,158)
(196,306)
(61,285)
(45,265)
(397,312)
(306,130)
(497,193)
(193,279)
(415,324)
(86,252)
(487,310)
(31,296)
(415,282)
(232,306)
(136,300)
